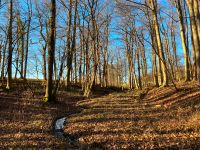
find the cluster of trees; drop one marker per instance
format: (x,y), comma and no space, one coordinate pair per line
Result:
(161,27)
(18,42)
(73,36)
(74,39)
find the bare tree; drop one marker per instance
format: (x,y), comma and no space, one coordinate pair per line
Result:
(29,4)
(10,48)
(194,29)
(51,51)
(183,38)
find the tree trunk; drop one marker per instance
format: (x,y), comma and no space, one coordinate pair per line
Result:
(154,69)
(174,51)
(197,15)
(159,43)
(81,58)
(94,38)
(9,69)
(51,52)
(74,43)
(144,65)
(17,59)
(190,4)
(139,68)
(27,38)
(69,53)
(44,61)
(183,38)
(87,65)
(22,55)
(105,73)
(4,57)
(154,48)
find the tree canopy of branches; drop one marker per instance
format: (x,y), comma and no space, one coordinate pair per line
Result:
(121,43)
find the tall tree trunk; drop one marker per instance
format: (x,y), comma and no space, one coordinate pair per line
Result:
(174,51)
(51,52)
(168,52)
(69,53)
(129,41)
(87,64)
(27,37)
(22,55)
(154,69)
(105,73)
(197,15)
(17,62)
(194,27)
(74,42)
(154,47)
(82,42)
(9,69)
(183,38)
(17,49)
(44,61)
(144,64)
(154,59)
(4,57)
(81,59)
(94,38)
(54,69)
(139,68)
(75,67)
(160,46)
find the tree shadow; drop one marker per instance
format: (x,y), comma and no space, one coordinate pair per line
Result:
(26,122)
(160,120)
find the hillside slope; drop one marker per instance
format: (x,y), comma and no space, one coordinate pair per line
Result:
(164,118)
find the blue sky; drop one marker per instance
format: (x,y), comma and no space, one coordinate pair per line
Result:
(115,45)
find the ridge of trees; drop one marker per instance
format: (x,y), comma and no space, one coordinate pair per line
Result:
(75,42)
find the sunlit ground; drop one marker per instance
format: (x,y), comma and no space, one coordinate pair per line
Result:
(26,121)
(163,119)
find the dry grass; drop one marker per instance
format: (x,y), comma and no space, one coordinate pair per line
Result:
(165,118)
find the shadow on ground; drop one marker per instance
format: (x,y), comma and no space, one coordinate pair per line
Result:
(26,120)
(164,118)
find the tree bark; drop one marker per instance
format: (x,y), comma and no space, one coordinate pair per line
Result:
(27,38)
(183,39)
(190,4)
(4,57)
(51,52)
(69,53)
(9,69)
(159,43)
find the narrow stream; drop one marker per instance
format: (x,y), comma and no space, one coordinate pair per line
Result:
(58,130)
(58,127)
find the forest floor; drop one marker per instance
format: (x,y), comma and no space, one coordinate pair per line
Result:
(162,118)
(26,120)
